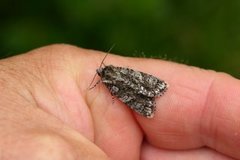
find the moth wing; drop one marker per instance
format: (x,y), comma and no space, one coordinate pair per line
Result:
(141,104)
(155,86)
(149,85)
(145,106)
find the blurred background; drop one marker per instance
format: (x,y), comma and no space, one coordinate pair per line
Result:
(201,33)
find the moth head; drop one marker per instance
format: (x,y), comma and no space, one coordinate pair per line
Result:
(99,71)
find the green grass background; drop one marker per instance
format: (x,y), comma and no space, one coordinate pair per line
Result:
(202,33)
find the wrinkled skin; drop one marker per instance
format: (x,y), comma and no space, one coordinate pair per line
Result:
(47,111)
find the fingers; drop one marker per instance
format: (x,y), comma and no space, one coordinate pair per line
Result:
(220,120)
(177,121)
(149,152)
(200,108)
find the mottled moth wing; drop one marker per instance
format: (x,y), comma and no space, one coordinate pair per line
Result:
(134,88)
(146,84)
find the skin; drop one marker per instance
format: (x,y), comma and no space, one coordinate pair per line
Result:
(47,111)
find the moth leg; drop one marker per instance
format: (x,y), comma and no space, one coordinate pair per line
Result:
(95,84)
(113,90)
(113,99)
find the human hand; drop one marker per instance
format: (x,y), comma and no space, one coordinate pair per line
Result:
(47,111)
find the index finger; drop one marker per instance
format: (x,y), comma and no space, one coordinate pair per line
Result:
(200,108)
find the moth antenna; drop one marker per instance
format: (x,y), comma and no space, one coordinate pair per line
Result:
(102,63)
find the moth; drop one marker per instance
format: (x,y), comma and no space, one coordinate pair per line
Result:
(136,89)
